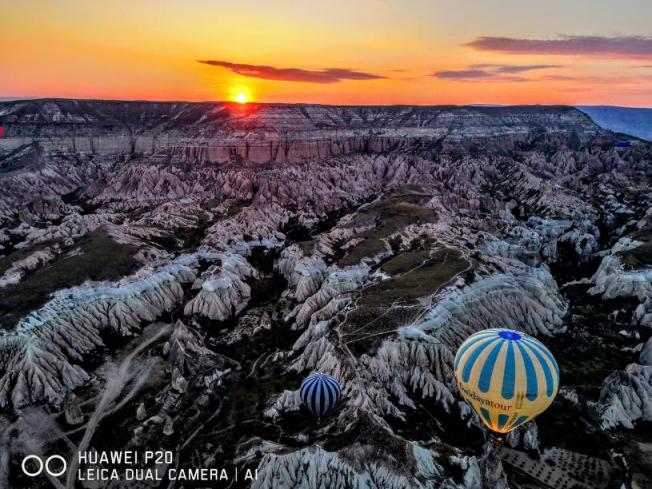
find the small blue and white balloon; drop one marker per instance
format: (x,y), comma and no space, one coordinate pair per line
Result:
(320,393)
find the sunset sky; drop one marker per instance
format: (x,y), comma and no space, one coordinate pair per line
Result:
(334,52)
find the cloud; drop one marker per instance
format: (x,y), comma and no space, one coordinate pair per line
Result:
(491,72)
(625,47)
(569,78)
(605,80)
(326,75)
(461,74)
(514,68)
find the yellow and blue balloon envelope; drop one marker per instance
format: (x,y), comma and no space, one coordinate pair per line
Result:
(506,376)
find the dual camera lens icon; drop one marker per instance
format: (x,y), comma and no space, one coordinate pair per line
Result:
(54,465)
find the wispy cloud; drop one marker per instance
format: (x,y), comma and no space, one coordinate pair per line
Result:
(625,47)
(513,68)
(491,72)
(325,75)
(634,79)
(461,74)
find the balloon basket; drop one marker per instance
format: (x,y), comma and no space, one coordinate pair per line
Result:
(498,439)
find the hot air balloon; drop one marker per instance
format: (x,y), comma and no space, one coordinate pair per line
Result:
(507,377)
(320,393)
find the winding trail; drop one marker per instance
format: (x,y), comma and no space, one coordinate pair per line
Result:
(114,386)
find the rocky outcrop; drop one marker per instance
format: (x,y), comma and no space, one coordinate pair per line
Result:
(223,290)
(39,359)
(287,401)
(538,240)
(304,274)
(526,300)
(185,349)
(626,397)
(317,467)
(646,353)
(17,270)
(332,296)
(611,280)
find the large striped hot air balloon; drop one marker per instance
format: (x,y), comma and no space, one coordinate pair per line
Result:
(506,376)
(320,393)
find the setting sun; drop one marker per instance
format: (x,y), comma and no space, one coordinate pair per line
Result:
(241,98)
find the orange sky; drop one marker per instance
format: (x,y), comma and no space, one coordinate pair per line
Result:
(336,52)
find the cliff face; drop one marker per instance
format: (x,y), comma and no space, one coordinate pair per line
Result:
(222,132)
(64,116)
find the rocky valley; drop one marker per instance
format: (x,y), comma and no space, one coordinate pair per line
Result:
(170,272)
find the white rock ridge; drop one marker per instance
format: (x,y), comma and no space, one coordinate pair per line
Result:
(15,273)
(316,467)
(38,360)
(626,397)
(223,291)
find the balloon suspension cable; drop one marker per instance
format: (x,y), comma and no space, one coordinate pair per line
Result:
(497,439)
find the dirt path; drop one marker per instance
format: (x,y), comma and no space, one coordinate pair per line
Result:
(114,386)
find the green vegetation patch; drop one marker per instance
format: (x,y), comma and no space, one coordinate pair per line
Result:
(95,257)
(393,212)
(404,262)
(7,261)
(386,306)
(641,256)
(420,281)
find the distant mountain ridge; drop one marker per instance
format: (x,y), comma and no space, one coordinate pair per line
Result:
(633,121)
(261,133)
(81,115)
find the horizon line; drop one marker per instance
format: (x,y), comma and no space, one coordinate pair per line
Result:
(229,102)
